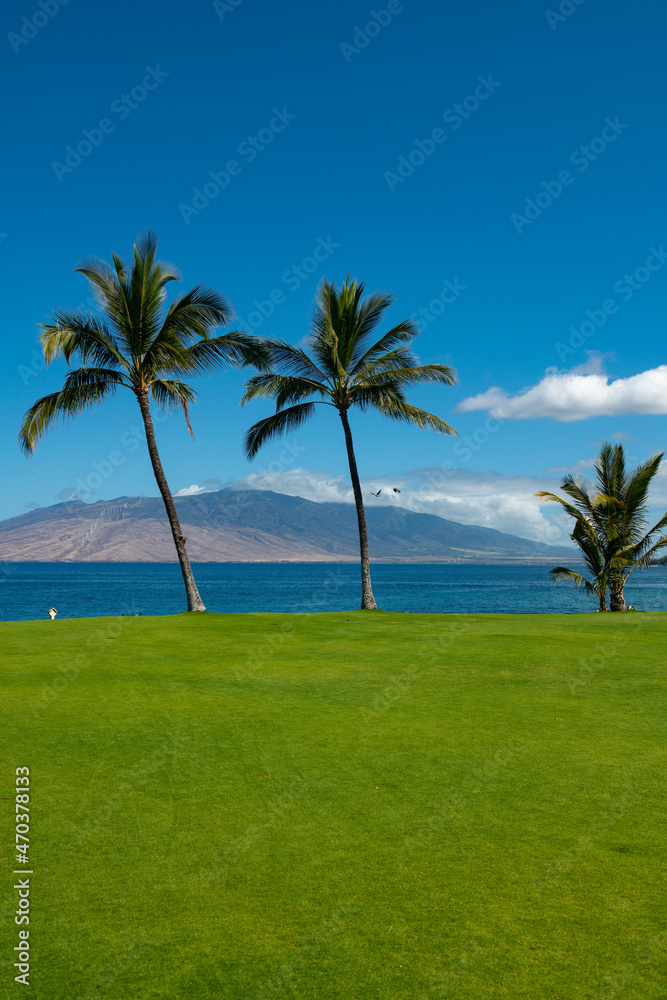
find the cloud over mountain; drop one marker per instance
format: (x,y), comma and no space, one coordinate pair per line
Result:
(506,503)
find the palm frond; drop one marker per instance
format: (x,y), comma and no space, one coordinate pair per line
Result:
(647,555)
(172,396)
(579,490)
(76,334)
(368,314)
(292,360)
(406,413)
(411,376)
(198,311)
(579,581)
(101,278)
(610,518)
(344,368)
(401,334)
(637,487)
(573,511)
(398,357)
(275,425)
(65,405)
(94,376)
(235,348)
(282,388)
(107,285)
(639,550)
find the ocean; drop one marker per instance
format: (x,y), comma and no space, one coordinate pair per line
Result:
(83,590)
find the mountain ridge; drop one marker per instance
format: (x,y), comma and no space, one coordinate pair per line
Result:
(252,526)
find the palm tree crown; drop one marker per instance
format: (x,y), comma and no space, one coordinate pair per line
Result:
(610,523)
(345,367)
(134,344)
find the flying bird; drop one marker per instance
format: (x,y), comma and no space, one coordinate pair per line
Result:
(376,494)
(396,491)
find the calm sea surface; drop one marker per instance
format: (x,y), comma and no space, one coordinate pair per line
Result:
(28,590)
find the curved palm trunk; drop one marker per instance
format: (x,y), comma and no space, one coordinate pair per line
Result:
(367,599)
(195,602)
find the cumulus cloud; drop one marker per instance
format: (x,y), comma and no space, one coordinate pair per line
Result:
(570,396)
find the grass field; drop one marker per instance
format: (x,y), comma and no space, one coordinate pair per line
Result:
(355,806)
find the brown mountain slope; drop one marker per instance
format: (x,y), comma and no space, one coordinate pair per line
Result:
(249,526)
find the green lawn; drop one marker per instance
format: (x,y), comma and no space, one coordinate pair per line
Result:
(354,806)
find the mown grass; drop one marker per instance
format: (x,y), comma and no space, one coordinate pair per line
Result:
(355,806)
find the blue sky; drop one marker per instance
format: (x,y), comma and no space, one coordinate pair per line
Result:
(499,168)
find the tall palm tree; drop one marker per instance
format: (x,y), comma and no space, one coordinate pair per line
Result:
(610,523)
(345,369)
(134,344)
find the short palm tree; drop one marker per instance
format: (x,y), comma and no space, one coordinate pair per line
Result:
(135,345)
(593,555)
(610,523)
(345,368)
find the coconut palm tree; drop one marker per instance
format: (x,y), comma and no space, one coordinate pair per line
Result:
(345,368)
(610,523)
(136,345)
(593,555)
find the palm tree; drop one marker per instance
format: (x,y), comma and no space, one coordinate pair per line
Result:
(135,345)
(593,558)
(610,523)
(345,369)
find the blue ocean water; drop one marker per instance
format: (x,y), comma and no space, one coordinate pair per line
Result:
(82,590)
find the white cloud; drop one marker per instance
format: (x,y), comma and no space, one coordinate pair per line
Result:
(192,491)
(506,503)
(569,396)
(317,486)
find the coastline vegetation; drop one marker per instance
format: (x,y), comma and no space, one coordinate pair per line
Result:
(610,524)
